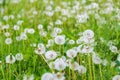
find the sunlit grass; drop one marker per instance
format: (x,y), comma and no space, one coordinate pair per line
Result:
(69,16)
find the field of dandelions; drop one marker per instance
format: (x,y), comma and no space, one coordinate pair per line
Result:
(59,39)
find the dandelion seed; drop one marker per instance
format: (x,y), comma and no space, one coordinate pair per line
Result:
(31,31)
(57,30)
(19,56)
(23,36)
(114,49)
(74,66)
(60,39)
(96,59)
(48,76)
(104,62)
(50,42)
(49,13)
(41,49)
(7,34)
(40,26)
(82,69)
(88,33)
(5,18)
(87,49)
(8,41)
(50,55)
(59,64)
(18,38)
(59,76)
(10,59)
(88,40)
(116,77)
(71,42)
(53,34)
(5,27)
(58,22)
(82,18)
(31,77)
(71,53)
(43,33)
(16,27)
(19,22)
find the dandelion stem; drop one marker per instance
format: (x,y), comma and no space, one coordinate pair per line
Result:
(69,74)
(9,72)
(93,71)
(100,72)
(73,74)
(46,62)
(19,68)
(89,63)
(3,73)
(34,63)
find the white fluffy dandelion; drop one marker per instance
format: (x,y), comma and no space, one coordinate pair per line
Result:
(71,53)
(60,76)
(88,33)
(60,39)
(8,40)
(50,55)
(104,62)
(57,30)
(31,31)
(26,77)
(59,64)
(82,69)
(40,26)
(10,59)
(116,77)
(16,27)
(96,59)
(41,49)
(74,66)
(19,56)
(23,36)
(7,34)
(87,49)
(71,41)
(113,49)
(48,76)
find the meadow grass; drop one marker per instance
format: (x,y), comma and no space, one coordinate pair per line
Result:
(106,27)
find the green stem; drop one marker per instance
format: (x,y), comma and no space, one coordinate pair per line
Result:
(93,71)
(73,74)
(19,68)
(85,65)
(9,71)
(89,64)
(100,72)
(34,63)
(47,63)
(3,73)
(69,74)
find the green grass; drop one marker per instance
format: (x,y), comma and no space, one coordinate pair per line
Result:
(35,64)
